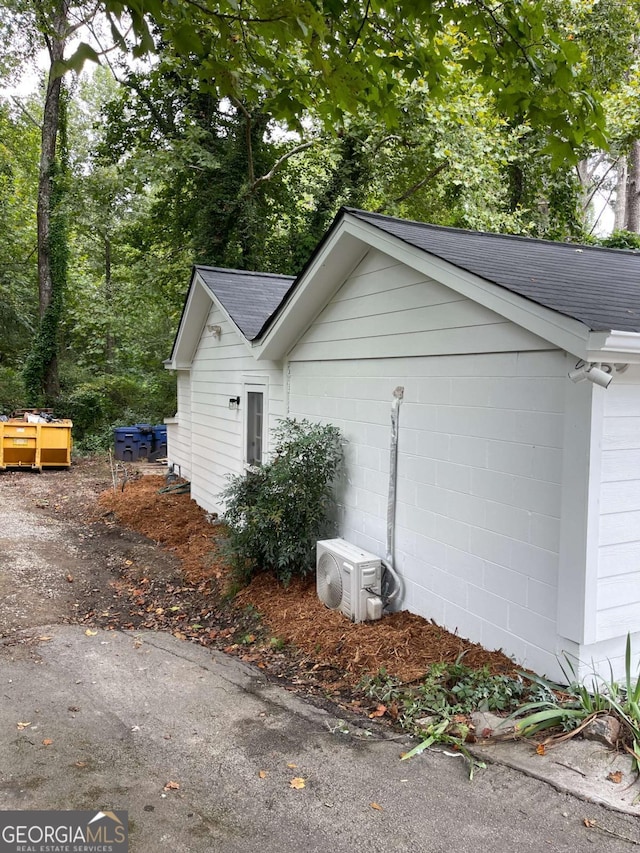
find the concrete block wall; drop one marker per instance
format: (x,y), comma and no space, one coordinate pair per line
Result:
(478,498)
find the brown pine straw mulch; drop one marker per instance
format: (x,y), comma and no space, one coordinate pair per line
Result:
(401,643)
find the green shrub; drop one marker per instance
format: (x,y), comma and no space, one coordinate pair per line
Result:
(276,512)
(98,405)
(12,394)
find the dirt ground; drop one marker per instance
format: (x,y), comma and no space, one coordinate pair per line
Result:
(135,557)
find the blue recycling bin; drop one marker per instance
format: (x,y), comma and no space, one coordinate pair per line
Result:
(127,444)
(141,441)
(159,448)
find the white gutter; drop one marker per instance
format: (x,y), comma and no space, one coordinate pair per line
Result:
(613,347)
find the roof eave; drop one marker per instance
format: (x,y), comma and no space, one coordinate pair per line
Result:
(192,323)
(334,259)
(613,346)
(346,245)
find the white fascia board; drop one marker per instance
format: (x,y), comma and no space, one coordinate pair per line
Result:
(614,347)
(564,332)
(338,257)
(183,348)
(346,248)
(224,313)
(198,304)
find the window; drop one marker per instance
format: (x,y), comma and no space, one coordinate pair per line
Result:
(255,427)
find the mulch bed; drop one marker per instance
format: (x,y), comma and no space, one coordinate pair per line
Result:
(318,640)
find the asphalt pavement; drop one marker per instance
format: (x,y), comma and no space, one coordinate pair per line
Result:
(206,755)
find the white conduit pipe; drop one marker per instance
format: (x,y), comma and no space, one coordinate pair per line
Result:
(398,394)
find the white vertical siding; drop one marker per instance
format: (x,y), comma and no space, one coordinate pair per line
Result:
(218,372)
(619,540)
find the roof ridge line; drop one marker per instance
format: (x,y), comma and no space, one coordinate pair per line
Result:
(243,272)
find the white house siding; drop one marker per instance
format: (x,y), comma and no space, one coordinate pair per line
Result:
(618,590)
(480,451)
(219,370)
(179,428)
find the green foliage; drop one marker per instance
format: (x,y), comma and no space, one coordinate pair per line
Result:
(621,240)
(98,405)
(337,58)
(40,371)
(435,710)
(448,689)
(18,272)
(277,511)
(11,390)
(568,707)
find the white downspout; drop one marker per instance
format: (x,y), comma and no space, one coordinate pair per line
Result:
(398,394)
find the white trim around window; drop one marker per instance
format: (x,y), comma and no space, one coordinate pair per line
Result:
(255,405)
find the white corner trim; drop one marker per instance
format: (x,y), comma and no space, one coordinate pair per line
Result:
(580,512)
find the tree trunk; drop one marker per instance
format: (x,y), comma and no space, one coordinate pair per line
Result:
(620,206)
(108,298)
(50,121)
(633,189)
(55,40)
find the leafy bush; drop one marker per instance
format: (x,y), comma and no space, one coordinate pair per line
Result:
(621,240)
(98,405)
(12,394)
(276,512)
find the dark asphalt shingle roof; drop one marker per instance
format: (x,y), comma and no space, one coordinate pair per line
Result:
(599,287)
(249,298)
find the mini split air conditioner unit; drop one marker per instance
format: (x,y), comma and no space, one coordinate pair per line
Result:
(349,579)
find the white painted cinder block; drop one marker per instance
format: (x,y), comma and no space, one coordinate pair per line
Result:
(480,451)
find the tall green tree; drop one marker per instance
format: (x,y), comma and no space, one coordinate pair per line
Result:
(337,57)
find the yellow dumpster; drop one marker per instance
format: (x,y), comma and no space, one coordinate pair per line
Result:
(35,446)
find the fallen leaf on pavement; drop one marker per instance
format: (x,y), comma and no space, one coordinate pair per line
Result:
(588,822)
(80,764)
(615,776)
(70,578)
(297,783)
(292,766)
(44,639)
(90,633)
(380,711)
(23,725)
(172,786)
(540,749)
(262,774)
(47,741)
(376,807)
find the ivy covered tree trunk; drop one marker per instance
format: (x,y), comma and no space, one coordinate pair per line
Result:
(41,369)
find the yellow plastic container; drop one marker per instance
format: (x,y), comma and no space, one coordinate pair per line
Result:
(35,446)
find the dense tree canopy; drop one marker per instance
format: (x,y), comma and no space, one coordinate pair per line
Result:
(238,129)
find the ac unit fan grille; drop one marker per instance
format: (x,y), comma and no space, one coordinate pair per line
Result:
(329,581)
